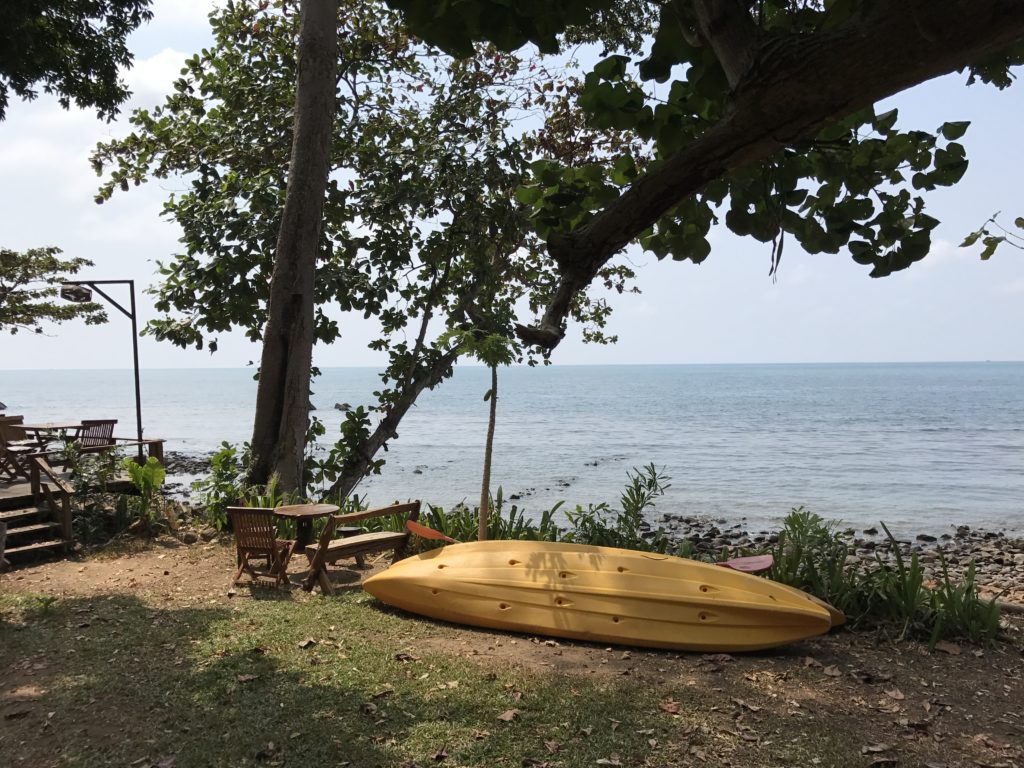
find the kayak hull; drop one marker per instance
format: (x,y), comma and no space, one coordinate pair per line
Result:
(600,594)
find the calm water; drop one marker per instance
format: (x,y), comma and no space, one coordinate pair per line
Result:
(921,446)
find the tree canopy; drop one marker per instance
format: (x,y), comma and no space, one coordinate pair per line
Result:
(421,228)
(759,112)
(29,286)
(71,48)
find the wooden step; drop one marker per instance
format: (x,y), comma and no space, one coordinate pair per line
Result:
(34,528)
(38,546)
(15,515)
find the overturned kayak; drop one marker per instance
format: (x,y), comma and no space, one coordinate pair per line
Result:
(601,594)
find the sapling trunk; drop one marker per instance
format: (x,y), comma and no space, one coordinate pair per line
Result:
(485,490)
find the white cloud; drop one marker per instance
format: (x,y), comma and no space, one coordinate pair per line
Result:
(944,254)
(150,78)
(183,11)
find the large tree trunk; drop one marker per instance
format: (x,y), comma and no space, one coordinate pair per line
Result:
(485,489)
(282,399)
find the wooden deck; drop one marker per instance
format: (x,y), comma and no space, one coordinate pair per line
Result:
(19,494)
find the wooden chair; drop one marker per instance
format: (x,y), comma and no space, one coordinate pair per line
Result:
(330,550)
(96,435)
(256,536)
(15,447)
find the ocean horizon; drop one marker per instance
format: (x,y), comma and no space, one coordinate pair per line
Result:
(921,446)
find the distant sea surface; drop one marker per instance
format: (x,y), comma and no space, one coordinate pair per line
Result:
(920,446)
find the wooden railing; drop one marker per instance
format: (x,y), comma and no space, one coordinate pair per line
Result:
(57,497)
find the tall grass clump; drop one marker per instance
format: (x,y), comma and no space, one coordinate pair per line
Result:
(813,556)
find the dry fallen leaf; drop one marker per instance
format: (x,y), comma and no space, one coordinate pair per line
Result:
(946,647)
(552,746)
(669,705)
(441,754)
(833,671)
(874,749)
(509,715)
(895,694)
(309,642)
(810,661)
(614,761)
(717,658)
(744,705)
(247,678)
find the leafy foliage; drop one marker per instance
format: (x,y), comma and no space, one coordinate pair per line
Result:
(223,486)
(812,555)
(29,288)
(421,229)
(148,479)
(992,234)
(74,48)
(744,128)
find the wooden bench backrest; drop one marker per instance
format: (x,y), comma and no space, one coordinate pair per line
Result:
(411,509)
(96,432)
(255,528)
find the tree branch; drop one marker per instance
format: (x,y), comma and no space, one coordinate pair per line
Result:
(797,85)
(726,26)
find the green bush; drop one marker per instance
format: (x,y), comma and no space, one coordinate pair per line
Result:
(811,555)
(224,486)
(148,479)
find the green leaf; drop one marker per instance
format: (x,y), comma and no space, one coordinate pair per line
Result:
(953,131)
(991,243)
(972,238)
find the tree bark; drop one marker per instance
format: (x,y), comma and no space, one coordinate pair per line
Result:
(282,398)
(485,489)
(795,86)
(425,379)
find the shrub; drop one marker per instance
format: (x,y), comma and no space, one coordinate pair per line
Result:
(224,486)
(811,555)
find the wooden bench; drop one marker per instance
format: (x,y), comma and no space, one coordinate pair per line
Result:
(331,550)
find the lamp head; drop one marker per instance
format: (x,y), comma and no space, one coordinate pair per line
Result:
(79,294)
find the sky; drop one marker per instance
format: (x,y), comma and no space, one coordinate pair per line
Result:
(820,308)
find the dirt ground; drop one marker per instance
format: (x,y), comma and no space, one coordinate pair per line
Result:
(956,706)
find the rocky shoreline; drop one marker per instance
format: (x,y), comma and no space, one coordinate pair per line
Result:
(998,558)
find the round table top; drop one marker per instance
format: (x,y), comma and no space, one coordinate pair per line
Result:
(306,510)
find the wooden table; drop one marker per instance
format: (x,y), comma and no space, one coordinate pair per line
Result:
(303,515)
(51,428)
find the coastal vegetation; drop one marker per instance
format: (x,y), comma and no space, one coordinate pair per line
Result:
(892,589)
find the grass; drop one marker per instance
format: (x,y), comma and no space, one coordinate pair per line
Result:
(216,686)
(236,684)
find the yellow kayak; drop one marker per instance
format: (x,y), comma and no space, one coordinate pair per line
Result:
(601,594)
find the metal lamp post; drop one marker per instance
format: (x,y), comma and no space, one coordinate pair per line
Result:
(80,292)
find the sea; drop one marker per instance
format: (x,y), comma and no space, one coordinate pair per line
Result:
(922,447)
